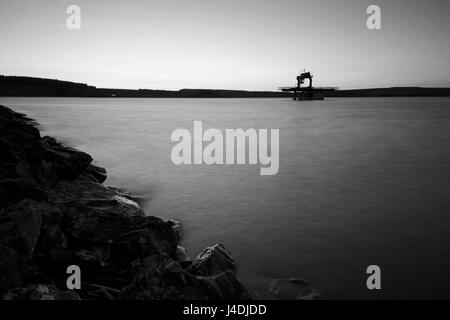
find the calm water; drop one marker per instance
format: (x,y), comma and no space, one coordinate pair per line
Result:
(361,181)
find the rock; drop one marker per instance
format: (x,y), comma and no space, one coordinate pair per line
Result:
(40,292)
(226,286)
(21,133)
(52,240)
(98,173)
(10,270)
(164,278)
(22,188)
(45,174)
(94,291)
(145,237)
(126,194)
(73,165)
(23,170)
(20,226)
(91,261)
(293,289)
(213,260)
(67,162)
(182,257)
(95,221)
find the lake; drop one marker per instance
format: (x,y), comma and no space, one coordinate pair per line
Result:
(361,181)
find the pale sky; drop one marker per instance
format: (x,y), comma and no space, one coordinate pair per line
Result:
(228,44)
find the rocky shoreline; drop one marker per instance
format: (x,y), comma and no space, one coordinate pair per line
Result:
(55,212)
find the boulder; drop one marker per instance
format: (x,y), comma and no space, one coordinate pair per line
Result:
(213,260)
(67,162)
(73,165)
(183,257)
(164,278)
(97,173)
(95,221)
(225,286)
(293,289)
(145,237)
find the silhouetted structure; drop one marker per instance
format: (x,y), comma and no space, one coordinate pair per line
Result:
(309,92)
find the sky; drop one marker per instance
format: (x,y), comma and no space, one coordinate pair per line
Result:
(232,44)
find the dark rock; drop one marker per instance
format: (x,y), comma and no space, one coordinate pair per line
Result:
(10,151)
(40,292)
(145,237)
(213,260)
(91,261)
(23,170)
(93,291)
(126,194)
(52,240)
(10,270)
(182,257)
(67,162)
(226,286)
(21,133)
(293,289)
(22,188)
(164,278)
(98,173)
(45,174)
(20,226)
(74,165)
(95,221)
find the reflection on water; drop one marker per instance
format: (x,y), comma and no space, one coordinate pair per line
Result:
(361,181)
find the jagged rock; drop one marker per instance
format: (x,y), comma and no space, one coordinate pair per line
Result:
(73,165)
(126,194)
(97,173)
(40,292)
(213,260)
(67,162)
(145,237)
(120,222)
(94,223)
(164,278)
(226,286)
(20,226)
(183,257)
(293,289)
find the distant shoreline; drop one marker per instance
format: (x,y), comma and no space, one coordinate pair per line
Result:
(15,86)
